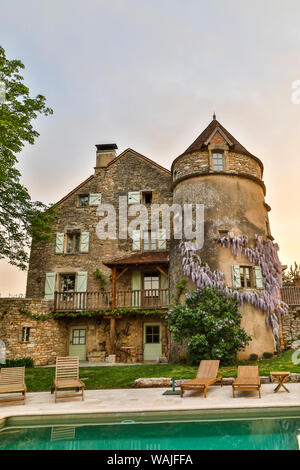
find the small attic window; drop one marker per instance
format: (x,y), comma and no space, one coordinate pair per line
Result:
(147,197)
(218,164)
(84,200)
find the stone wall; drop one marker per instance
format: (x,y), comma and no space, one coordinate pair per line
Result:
(128,173)
(291,326)
(48,338)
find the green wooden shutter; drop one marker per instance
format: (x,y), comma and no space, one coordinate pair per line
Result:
(84,242)
(95,199)
(136,240)
(236,277)
(136,284)
(258,277)
(134,197)
(161,239)
(81,287)
(50,286)
(59,243)
(164,296)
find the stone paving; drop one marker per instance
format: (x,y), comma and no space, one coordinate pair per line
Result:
(138,400)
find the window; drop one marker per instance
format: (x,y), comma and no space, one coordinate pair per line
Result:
(78,336)
(151,285)
(218,161)
(67,283)
(247,278)
(25,334)
(150,241)
(147,197)
(84,200)
(73,242)
(223,233)
(152,334)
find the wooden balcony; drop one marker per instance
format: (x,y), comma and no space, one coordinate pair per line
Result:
(148,299)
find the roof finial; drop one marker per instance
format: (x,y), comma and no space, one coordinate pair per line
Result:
(214,116)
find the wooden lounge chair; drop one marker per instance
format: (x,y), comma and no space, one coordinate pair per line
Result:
(247,379)
(206,376)
(67,377)
(12,381)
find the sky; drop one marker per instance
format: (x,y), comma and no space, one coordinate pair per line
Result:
(148,74)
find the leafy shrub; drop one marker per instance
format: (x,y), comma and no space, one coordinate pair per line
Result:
(210,321)
(24,362)
(253,357)
(267,355)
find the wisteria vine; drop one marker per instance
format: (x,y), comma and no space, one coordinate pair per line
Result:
(264,254)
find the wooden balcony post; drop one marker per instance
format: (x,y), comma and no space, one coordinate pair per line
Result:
(112,335)
(113,287)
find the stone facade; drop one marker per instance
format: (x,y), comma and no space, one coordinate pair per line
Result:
(234,201)
(291,326)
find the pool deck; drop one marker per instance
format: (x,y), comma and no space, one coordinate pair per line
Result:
(151,399)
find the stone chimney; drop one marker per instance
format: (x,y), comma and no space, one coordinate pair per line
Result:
(105,154)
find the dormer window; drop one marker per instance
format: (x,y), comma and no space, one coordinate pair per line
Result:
(218,164)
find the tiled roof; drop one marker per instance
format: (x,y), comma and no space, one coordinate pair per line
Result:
(201,141)
(291,295)
(149,257)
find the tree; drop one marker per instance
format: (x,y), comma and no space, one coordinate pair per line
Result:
(210,321)
(291,277)
(20,217)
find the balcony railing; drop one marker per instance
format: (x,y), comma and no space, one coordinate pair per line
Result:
(147,299)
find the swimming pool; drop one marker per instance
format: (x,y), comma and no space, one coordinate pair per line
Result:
(252,429)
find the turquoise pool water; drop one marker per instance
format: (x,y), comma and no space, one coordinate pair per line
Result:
(271,433)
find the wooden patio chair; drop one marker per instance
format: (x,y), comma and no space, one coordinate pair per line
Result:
(12,380)
(67,377)
(247,379)
(206,376)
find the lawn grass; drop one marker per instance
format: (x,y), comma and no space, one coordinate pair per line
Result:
(41,378)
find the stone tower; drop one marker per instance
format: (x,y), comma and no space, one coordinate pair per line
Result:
(218,172)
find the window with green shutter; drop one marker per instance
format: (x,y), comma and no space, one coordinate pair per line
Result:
(84,242)
(59,243)
(95,199)
(258,277)
(50,286)
(136,240)
(134,197)
(161,239)
(236,277)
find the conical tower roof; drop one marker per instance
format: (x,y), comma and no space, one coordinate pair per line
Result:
(204,138)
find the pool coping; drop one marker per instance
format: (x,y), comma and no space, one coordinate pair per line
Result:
(117,403)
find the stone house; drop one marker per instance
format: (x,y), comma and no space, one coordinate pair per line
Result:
(110,296)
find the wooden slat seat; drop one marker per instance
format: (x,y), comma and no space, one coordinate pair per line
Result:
(67,377)
(12,380)
(206,376)
(248,380)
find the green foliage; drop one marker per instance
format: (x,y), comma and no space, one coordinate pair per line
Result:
(96,313)
(101,278)
(289,278)
(24,362)
(210,322)
(253,357)
(180,288)
(267,355)
(20,217)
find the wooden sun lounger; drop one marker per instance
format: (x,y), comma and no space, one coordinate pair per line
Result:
(67,377)
(12,381)
(248,379)
(206,376)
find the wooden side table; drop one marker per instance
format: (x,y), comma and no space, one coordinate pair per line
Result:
(280,377)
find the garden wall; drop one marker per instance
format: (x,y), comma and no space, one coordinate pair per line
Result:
(291,326)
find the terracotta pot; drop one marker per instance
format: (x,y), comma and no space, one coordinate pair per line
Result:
(296,282)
